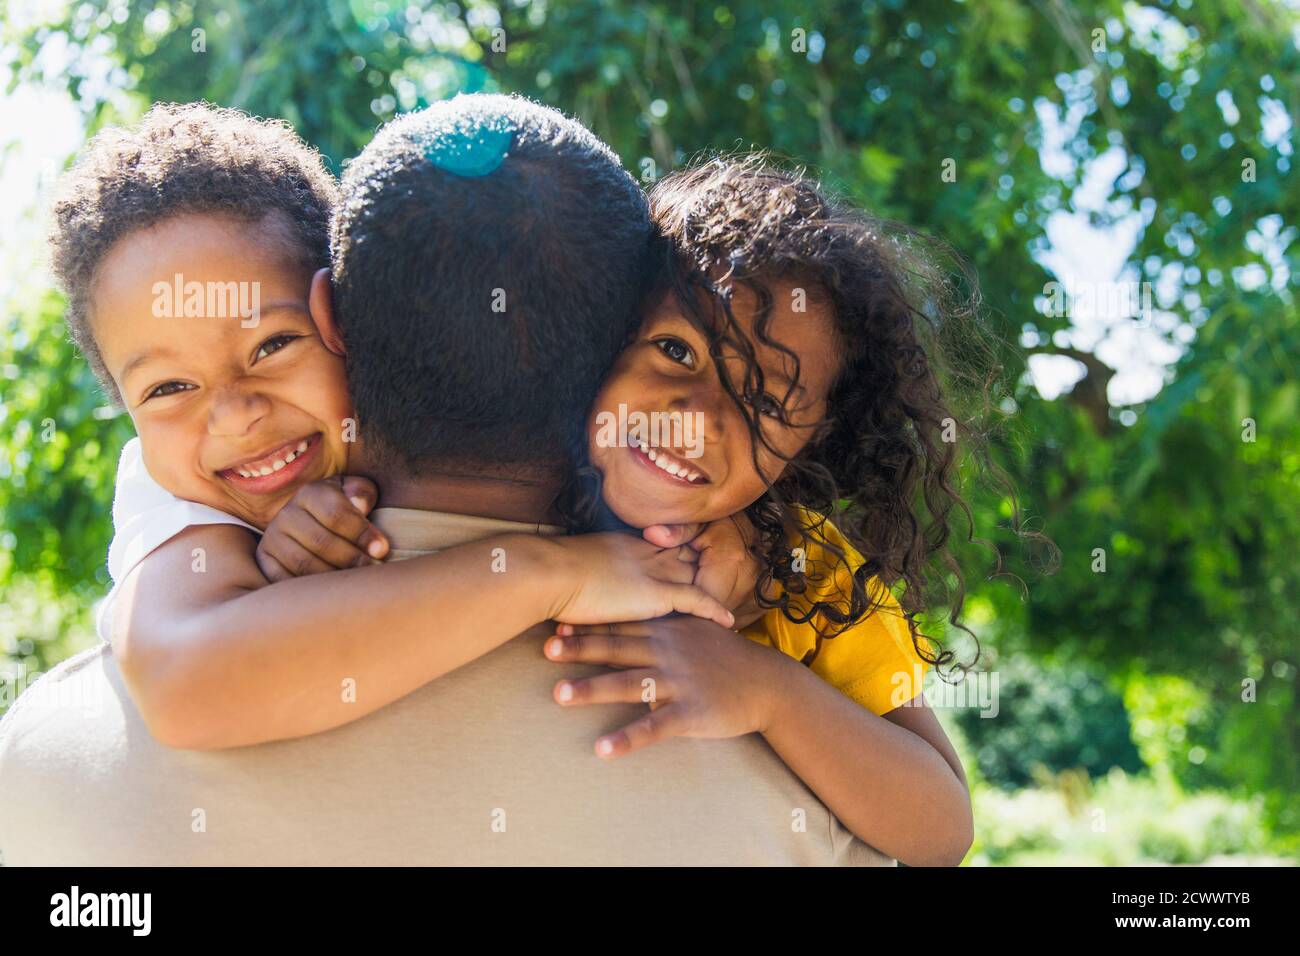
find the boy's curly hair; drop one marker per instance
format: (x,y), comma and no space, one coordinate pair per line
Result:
(883,465)
(191,158)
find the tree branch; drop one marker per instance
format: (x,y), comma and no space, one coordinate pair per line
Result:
(1089,392)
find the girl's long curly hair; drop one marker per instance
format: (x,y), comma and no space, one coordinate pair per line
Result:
(917,383)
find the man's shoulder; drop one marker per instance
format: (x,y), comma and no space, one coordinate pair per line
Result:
(76,778)
(37,692)
(54,710)
(83,782)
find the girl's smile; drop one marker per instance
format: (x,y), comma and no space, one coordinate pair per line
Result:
(668,466)
(669,369)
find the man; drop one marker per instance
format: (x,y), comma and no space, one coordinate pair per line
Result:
(489,256)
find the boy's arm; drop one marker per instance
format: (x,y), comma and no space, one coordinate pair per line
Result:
(215,657)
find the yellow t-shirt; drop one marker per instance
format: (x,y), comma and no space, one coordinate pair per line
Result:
(873,662)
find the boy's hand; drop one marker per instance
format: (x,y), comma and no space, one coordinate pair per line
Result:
(617,577)
(726,567)
(322,528)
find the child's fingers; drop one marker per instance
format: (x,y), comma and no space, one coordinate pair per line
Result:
(688,599)
(319,541)
(670,535)
(271,569)
(723,582)
(363,493)
(624,629)
(373,542)
(622,687)
(671,567)
(326,503)
(660,724)
(596,648)
(294,558)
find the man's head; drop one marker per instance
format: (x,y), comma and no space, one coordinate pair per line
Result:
(489,258)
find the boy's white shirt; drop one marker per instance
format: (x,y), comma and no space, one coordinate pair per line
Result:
(145,516)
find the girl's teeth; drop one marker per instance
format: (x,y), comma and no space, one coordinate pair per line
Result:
(664,464)
(302,447)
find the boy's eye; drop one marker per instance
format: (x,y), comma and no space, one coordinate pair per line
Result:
(274,344)
(168,388)
(678,351)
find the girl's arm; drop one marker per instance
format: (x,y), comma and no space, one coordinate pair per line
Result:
(894,781)
(215,657)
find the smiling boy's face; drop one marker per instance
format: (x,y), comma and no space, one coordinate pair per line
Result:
(667,370)
(230,414)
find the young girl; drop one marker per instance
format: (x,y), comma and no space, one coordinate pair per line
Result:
(787,326)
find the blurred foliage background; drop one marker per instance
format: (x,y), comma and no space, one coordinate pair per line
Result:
(1147,690)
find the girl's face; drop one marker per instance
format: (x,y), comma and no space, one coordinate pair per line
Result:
(670,442)
(233,411)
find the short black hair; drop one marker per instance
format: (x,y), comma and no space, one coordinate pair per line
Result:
(480,305)
(183,158)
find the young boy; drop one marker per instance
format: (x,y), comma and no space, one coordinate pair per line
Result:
(192,249)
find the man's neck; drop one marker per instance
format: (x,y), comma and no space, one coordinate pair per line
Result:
(528,499)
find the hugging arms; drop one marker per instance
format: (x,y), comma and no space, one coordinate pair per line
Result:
(237,419)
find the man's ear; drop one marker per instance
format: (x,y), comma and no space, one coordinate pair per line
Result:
(321,305)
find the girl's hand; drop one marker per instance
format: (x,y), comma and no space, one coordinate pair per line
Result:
(699,680)
(322,528)
(617,577)
(726,567)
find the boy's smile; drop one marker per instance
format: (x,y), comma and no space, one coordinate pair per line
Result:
(231,413)
(263,474)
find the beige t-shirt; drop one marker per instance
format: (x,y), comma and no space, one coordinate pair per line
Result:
(477,767)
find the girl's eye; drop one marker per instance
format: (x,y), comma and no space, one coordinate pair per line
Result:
(769,406)
(168,388)
(678,351)
(274,344)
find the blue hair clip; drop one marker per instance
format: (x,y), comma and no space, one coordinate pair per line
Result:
(473,146)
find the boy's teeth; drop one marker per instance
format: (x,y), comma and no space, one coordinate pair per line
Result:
(275,465)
